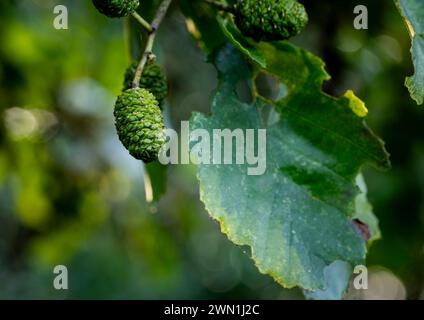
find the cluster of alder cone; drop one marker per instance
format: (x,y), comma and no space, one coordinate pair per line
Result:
(138,114)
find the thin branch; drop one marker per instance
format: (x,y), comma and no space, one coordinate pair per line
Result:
(143,22)
(147,55)
(163,8)
(148,51)
(220,6)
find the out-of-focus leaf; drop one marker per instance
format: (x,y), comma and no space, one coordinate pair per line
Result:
(337,277)
(413,13)
(135,34)
(202,24)
(364,213)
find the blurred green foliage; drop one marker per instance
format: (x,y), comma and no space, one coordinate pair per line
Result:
(70,194)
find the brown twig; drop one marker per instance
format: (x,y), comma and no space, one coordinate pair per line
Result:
(148,51)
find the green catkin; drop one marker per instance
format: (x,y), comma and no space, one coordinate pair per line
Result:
(270,20)
(116,8)
(139,123)
(152,79)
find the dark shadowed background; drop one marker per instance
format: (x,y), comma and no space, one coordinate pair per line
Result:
(71,195)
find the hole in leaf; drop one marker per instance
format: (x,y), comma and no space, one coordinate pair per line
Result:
(270,87)
(244,91)
(269,115)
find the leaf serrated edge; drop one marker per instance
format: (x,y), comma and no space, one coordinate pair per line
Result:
(409,81)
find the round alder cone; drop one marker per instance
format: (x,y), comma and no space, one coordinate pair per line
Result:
(152,79)
(270,20)
(140,124)
(116,8)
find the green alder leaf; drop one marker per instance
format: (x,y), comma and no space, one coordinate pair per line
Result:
(413,13)
(297,216)
(242,43)
(213,30)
